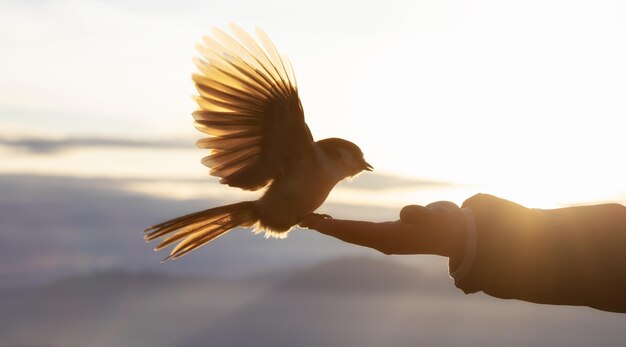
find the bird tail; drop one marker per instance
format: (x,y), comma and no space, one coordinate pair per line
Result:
(197,229)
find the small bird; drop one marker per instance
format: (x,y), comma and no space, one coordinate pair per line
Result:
(249,106)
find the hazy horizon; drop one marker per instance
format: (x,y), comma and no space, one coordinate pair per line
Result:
(517,100)
(446,98)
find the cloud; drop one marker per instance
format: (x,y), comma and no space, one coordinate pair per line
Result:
(55,226)
(47,145)
(347,301)
(381,181)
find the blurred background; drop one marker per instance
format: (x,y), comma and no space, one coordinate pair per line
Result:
(524,100)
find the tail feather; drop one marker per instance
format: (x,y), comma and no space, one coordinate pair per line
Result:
(188,230)
(197,229)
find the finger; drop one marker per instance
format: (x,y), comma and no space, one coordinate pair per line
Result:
(434,217)
(414,214)
(311,220)
(347,230)
(427,218)
(443,224)
(387,237)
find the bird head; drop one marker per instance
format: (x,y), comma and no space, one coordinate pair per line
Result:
(345,155)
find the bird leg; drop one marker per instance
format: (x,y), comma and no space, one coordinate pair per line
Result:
(310,219)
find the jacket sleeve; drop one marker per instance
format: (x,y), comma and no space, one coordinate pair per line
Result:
(568,256)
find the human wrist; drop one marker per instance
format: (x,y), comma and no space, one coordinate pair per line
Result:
(459,265)
(451,231)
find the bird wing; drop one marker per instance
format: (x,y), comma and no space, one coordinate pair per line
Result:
(249,106)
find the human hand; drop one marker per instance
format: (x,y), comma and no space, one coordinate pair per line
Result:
(438,228)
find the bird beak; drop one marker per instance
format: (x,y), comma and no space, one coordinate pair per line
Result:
(367,167)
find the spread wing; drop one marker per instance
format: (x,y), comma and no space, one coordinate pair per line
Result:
(249,106)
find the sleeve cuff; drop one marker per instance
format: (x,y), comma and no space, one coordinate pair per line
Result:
(470,248)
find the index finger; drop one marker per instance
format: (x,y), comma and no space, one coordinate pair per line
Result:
(380,236)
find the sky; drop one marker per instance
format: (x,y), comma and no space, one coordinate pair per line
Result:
(446,98)
(519,99)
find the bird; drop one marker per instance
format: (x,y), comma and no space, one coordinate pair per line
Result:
(249,108)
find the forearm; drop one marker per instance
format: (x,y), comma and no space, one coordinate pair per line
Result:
(571,256)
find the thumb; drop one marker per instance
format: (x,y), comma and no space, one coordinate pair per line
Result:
(435,216)
(414,214)
(443,219)
(426,218)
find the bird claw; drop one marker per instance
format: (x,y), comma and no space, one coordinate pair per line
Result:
(308,221)
(323,215)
